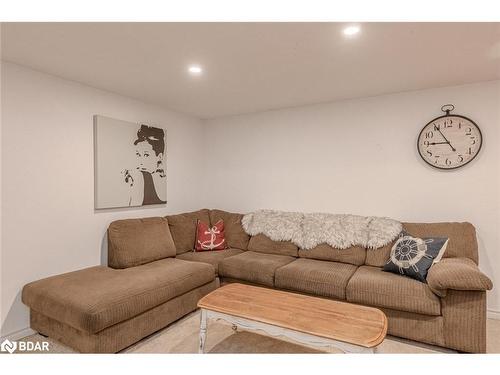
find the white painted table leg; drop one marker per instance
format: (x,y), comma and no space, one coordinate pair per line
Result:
(203,331)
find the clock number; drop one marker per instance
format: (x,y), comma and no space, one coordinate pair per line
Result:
(473,141)
(447,161)
(460,158)
(429,134)
(426,143)
(436,127)
(469,131)
(460,125)
(469,151)
(429,152)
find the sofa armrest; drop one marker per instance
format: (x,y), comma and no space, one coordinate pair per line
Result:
(456,274)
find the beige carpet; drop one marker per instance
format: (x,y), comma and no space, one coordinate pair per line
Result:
(182,337)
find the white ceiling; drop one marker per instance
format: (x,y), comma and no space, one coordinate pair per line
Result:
(256,66)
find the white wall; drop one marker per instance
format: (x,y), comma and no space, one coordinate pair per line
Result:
(359,156)
(49,223)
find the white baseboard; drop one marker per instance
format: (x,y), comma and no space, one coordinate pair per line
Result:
(18,334)
(493,314)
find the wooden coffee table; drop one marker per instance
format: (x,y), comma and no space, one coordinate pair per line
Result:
(312,321)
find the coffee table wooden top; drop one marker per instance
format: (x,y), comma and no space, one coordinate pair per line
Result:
(341,321)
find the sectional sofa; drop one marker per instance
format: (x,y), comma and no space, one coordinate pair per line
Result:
(154,278)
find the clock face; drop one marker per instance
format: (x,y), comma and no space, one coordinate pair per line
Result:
(449,142)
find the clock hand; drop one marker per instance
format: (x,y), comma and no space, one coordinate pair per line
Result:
(438,143)
(447,141)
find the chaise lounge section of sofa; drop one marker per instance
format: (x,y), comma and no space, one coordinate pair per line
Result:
(106,309)
(154,278)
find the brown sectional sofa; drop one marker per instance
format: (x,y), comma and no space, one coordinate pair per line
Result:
(154,278)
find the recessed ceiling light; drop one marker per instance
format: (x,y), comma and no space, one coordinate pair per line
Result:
(195,69)
(351,30)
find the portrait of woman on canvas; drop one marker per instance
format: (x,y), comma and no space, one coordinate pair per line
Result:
(147,181)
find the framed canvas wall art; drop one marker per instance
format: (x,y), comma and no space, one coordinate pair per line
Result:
(129,164)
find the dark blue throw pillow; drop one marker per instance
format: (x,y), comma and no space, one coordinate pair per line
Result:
(413,256)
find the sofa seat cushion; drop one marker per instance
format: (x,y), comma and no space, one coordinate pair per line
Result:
(374,287)
(210,257)
(316,277)
(253,267)
(98,297)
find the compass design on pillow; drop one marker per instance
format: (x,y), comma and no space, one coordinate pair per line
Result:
(408,251)
(413,256)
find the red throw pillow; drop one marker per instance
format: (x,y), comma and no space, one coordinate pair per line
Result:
(210,238)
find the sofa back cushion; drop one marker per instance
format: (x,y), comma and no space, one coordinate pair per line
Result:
(133,242)
(183,228)
(462,237)
(264,244)
(354,255)
(462,241)
(236,237)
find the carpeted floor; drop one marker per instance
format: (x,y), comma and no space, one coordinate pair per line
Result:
(182,337)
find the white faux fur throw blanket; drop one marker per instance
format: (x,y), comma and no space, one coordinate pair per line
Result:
(310,230)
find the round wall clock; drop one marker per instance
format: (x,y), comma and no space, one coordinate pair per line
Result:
(449,141)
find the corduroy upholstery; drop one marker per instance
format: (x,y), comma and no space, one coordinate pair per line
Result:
(316,277)
(183,228)
(457,274)
(121,335)
(236,237)
(354,255)
(418,327)
(464,314)
(378,257)
(133,242)
(374,287)
(98,297)
(254,267)
(210,257)
(462,243)
(263,244)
